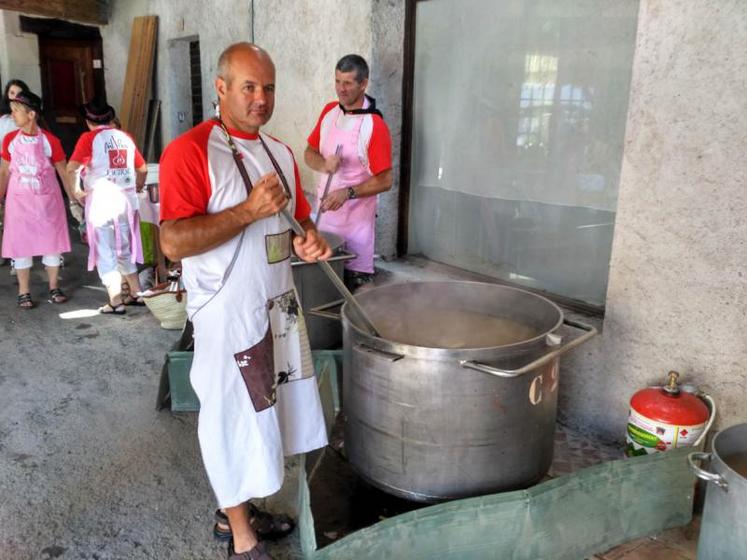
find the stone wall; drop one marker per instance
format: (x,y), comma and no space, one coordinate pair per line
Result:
(677,296)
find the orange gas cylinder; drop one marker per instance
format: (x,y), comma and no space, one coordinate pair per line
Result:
(661,418)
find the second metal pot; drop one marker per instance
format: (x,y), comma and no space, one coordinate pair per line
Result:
(723,530)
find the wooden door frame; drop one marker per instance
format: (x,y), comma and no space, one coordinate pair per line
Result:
(45,41)
(405,154)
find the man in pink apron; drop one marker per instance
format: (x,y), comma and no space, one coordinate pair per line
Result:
(114,172)
(35,219)
(351,142)
(252,368)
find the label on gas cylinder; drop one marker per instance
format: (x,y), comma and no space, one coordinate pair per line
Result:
(648,436)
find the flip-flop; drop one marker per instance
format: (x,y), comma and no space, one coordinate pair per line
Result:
(109,309)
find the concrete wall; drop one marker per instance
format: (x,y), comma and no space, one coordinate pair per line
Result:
(677,296)
(19,52)
(305,39)
(214,24)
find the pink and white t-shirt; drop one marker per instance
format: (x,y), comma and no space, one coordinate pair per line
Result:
(52,146)
(374,142)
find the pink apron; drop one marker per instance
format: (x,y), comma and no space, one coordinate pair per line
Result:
(106,201)
(355,221)
(35,219)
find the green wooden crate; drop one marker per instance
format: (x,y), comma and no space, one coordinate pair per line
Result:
(183,397)
(327,365)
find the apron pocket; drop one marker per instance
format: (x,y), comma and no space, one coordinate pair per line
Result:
(256,365)
(277,247)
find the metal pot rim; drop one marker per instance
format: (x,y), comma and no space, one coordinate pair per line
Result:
(719,456)
(402,347)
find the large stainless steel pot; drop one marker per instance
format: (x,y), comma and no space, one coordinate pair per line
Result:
(723,530)
(431,423)
(315,289)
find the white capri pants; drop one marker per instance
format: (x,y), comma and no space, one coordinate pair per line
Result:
(110,266)
(19,263)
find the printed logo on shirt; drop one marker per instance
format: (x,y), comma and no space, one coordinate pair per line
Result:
(118,159)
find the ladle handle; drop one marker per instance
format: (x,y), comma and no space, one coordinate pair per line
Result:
(703,474)
(324,310)
(539,362)
(327,269)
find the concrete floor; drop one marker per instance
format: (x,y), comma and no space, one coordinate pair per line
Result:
(88,468)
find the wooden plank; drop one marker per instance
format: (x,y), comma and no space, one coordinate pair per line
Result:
(89,11)
(138,77)
(566,518)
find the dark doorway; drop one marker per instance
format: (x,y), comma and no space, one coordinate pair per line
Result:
(72,73)
(196,81)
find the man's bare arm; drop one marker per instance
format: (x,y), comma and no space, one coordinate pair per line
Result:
(187,237)
(317,161)
(370,187)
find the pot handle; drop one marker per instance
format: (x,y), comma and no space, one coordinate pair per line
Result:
(323,310)
(389,356)
(541,361)
(703,474)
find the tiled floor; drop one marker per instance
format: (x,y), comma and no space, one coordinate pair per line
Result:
(676,544)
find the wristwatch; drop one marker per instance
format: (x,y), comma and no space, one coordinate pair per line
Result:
(351,193)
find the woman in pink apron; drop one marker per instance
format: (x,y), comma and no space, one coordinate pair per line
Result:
(35,220)
(7,124)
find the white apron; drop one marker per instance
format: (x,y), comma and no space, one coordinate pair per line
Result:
(252,368)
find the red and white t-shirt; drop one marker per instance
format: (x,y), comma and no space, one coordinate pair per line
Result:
(374,142)
(108,154)
(198,176)
(52,146)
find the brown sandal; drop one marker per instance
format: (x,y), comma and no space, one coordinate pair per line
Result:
(259,552)
(268,526)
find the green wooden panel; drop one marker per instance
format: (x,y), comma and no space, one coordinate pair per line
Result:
(570,517)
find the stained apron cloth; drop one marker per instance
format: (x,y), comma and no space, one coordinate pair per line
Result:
(35,219)
(355,221)
(252,368)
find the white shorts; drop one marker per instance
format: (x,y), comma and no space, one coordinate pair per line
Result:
(19,263)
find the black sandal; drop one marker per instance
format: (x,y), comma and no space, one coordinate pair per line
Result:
(57,296)
(109,309)
(259,552)
(268,526)
(129,300)
(25,301)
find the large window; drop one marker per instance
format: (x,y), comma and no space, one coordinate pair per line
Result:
(519,113)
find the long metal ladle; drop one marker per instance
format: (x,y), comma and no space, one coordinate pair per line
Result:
(324,265)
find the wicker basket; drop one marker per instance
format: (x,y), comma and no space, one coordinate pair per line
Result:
(168,305)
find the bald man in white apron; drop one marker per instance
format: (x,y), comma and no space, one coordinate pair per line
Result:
(252,367)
